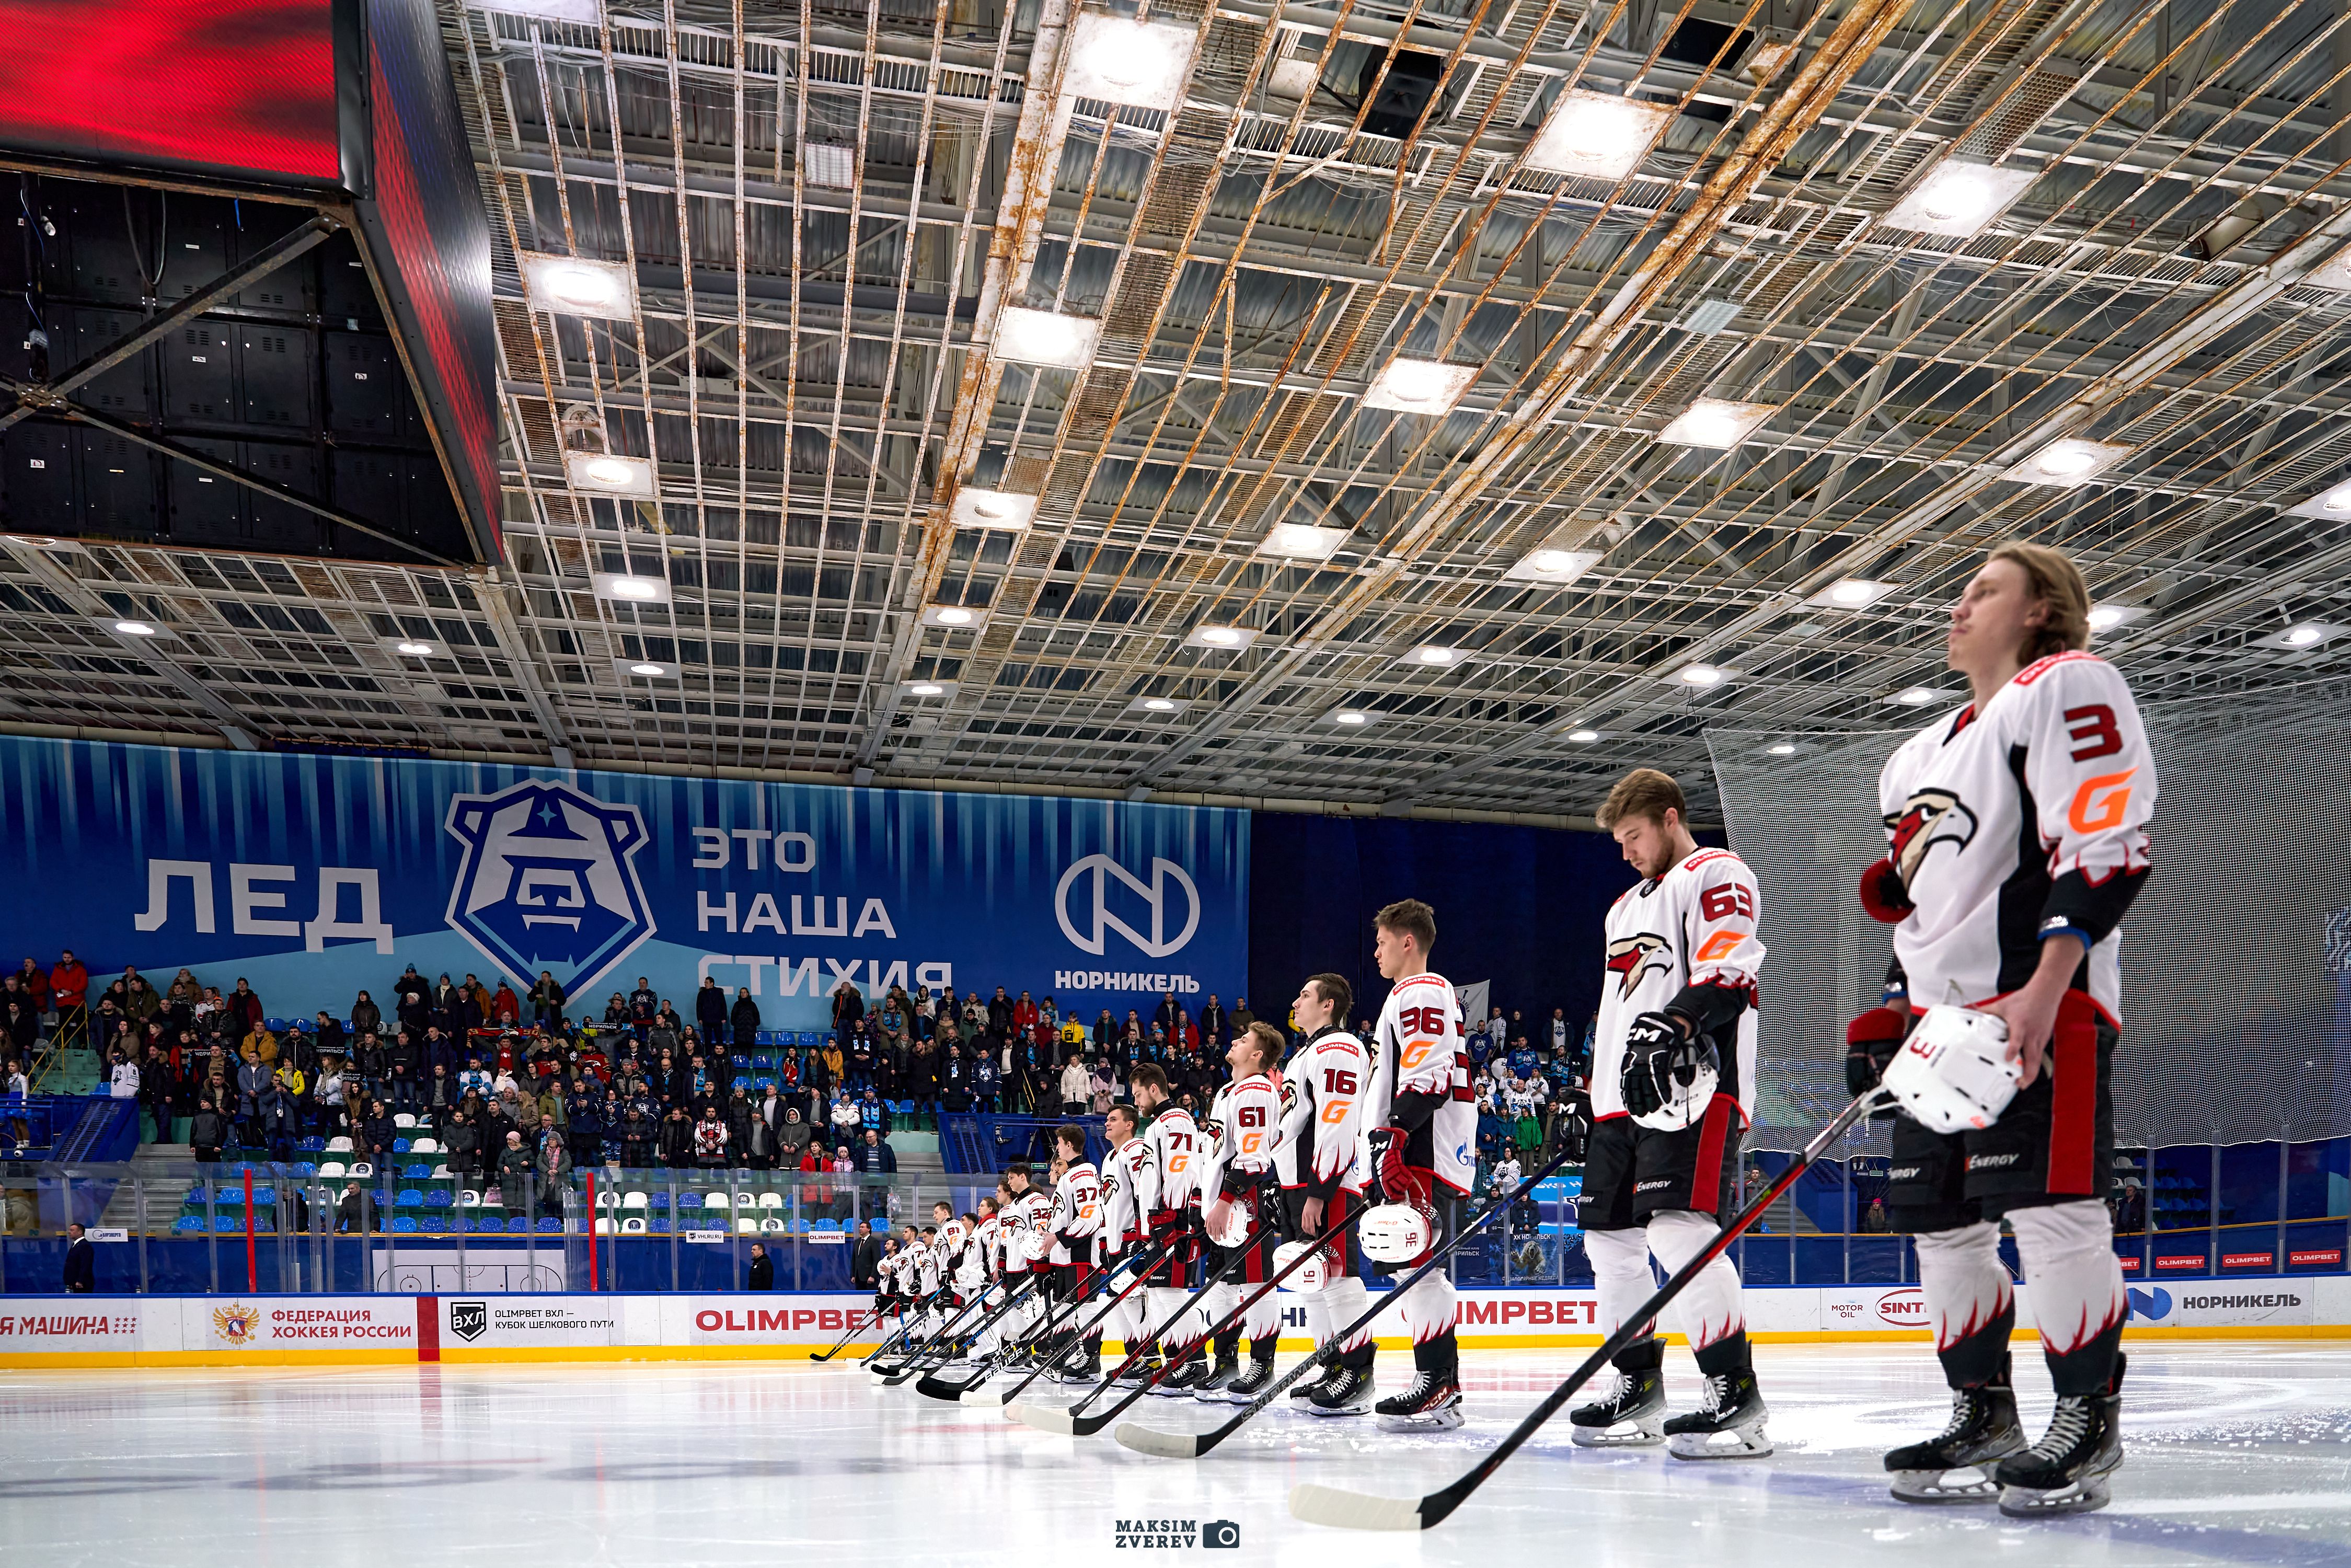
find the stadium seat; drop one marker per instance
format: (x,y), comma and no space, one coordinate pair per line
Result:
(226,1197)
(274,1026)
(416,1171)
(489,1227)
(549,1223)
(188,1222)
(661,1226)
(469,1199)
(440,1173)
(771,1225)
(265,1197)
(362,1168)
(634,1200)
(518,1224)
(771,1201)
(746,1227)
(304,1168)
(331,1169)
(312,1144)
(227,1222)
(403,1119)
(660,1200)
(339,1145)
(194,1196)
(766,1084)
(828,1225)
(632,1226)
(436,1200)
(715,1200)
(606,1228)
(424,1146)
(400,1146)
(404,1226)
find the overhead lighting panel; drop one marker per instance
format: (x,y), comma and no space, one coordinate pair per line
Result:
(1225,639)
(1702,676)
(1555,567)
(646,670)
(610,474)
(1046,337)
(2065,463)
(1353,717)
(1597,135)
(829,165)
(1303,541)
(2106,617)
(928,689)
(1121,60)
(2301,637)
(977,508)
(955,617)
(1918,697)
(1584,737)
(1419,386)
(1852,593)
(574,286)
(1161,706)
(1959,200)
(2333,502)
(630,588)
(1716,423)
(1436,657)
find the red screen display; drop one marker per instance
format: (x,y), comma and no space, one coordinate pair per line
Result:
(221,86)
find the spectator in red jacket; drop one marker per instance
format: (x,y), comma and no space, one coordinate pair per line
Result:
(1024,1014)
(31,980)
(245,1006)
(69,993)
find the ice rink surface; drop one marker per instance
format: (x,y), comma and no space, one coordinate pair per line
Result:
(2238,1454)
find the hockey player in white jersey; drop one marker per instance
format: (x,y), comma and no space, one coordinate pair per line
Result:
(2018,840)
(1123,1233)
(1075,1219)
(1673,1088)
(1172,1178)
(1240,1200)
(1422,1121)
(1319,1159)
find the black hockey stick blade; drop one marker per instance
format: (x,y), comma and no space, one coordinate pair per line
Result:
(837,1346)
(1341,1509)
(935,1386)
(1192,1444)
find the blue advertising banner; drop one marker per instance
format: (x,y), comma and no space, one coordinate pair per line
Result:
(315,876)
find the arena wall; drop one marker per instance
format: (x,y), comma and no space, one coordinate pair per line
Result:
(358,1330)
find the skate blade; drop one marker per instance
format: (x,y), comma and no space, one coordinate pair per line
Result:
(2024,1502)
(1735,1443)
(1443,1420)
(1623,1434)
(1362,1409)
(1937,1486)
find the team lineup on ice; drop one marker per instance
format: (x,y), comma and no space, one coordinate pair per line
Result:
(1182,1244)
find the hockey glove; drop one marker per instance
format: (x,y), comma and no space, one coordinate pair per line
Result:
(1884,894)
(1398,1182)
(1660,1051)
(1871,1041)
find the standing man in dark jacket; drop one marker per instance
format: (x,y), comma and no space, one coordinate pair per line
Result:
(744,1018)
(82,1263)
(763,1268)
(710,1009)
(865,1259)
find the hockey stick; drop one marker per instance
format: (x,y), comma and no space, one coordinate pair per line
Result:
(1139,1271)
(1345,1510)
(841,1343)
(1192,1444)
(1065,1419)
(908,1320)
(948,1332)
(916,1360)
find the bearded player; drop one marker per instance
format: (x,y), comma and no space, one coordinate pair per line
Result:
(1672,1086)
(1423,1121)
(2017,827)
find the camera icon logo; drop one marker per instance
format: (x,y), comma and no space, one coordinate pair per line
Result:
(1220,1532)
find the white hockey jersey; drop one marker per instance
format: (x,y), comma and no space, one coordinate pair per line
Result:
(1322,1092)
(1695,926)
(2009,824)
(919,1272)
(1077,1212)
(1177,1148)
(988,1245)
(1243,1132)
(1419,1049)
(1124,1174)
(1031,1236)
(972,1258)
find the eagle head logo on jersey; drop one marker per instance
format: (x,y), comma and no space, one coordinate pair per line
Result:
(1632,957)
(1929,818)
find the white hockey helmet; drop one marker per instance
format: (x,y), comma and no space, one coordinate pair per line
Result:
(1239,1216)
(1953,1072)
(1685,1102)
(1396,1233)
(1312,1275)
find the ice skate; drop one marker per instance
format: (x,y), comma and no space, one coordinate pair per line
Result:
(1727,1422)
(1632,1413)
(1956,1465)
(1346,1392)
(2066,1471)
(1433,1403)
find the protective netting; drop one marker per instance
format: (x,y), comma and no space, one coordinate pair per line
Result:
(2236,959)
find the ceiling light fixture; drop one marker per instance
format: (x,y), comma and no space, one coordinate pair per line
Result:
(1958,200)
(631,587)
(1158,704)
(1419,386)
(610,474)
(1225,639)
(643,669)
(1553,566)
(2067,462)
(1716,423)
(1852,593)
(416,650)
(135,628)
(977,508)
(1303,541)
(2333,502)
(1121,60)
(955,617)
(1351,716)
(925,689)
(2106,617)
(1436,655)
(1781,749)
(1597,135)
(1917,696)
(1046,337)
(2302,636)
(1584,737)
(574,286)
(1700,676)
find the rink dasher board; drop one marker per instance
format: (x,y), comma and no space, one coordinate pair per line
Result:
(264,1330)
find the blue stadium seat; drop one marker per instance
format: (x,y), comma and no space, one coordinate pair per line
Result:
(420,1171)
(265,1197)
(658,1200)
(226,1197)
(188,1222)
(227,1222)
(437,1201)
(660,1226)
(306,1167)
(547,1224)
(766,1084)
(314,1144)
(404,1226)
(411,1197)
(274,1026)
(400,1146)
(518,1224)
(194,1196)
(763,1037)
(488,1227)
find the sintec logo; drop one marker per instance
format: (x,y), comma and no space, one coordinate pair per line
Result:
(1902,1308)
